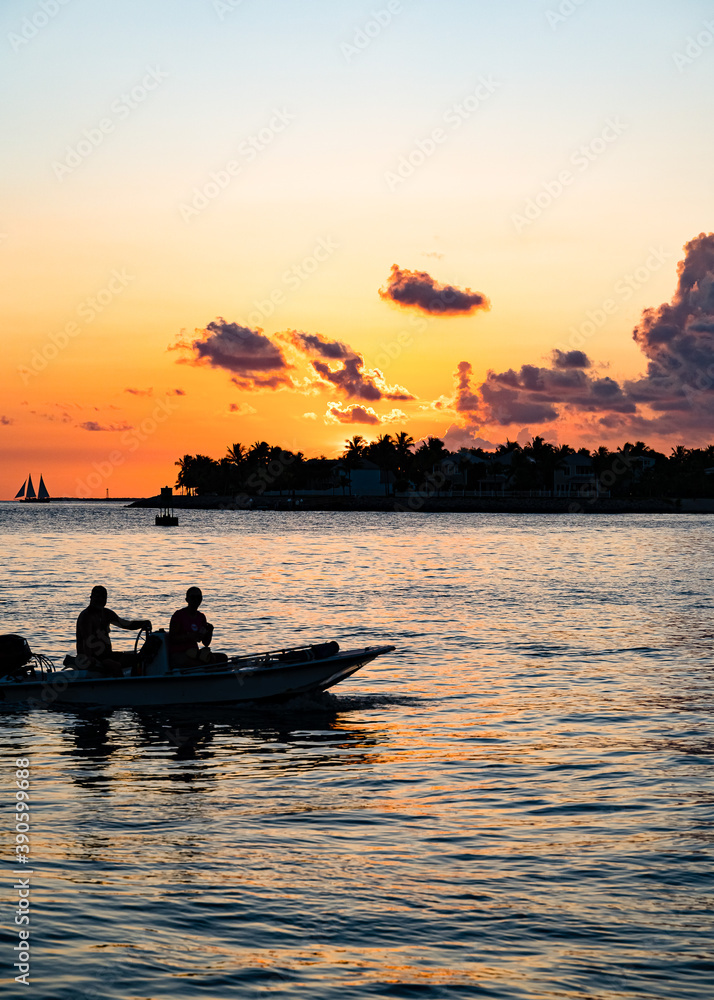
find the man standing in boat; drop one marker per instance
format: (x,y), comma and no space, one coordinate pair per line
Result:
(187,628)
(94,647)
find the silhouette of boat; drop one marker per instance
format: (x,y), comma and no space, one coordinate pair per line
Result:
(26,493)
(27,678)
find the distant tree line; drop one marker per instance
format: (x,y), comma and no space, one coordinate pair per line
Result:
(633,470)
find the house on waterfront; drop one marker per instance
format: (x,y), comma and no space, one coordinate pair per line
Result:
(575,477)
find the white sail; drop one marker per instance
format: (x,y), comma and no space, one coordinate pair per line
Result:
(21,491)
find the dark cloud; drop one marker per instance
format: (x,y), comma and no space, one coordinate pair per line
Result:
(571,359)
(418,290)
(357,383)
(92,425)
(313,343)
(675,396)
(678,340)
(351,377)
(254,359)
(258,362)
(6,421)
(533,394)
(176,392)
(140,392)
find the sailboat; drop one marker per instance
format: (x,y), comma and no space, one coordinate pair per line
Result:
(27,494)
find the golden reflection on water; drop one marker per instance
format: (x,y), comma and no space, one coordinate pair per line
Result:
(515,802)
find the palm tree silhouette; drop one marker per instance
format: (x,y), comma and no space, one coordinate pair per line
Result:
(352,456)
(259,453)
(384,454)
(403,445)
(236,453)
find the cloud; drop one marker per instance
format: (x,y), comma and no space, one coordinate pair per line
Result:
(6,421)
(533,394)
(674,397)
(678,340)
(242,409)
(418,290)
(62,417)
(356,382)
(313,343)
(350,377)
(570,359)
(254,359)
(310,416)
(462,437)
(356,414)
(261,362)
(92,425)
(150,392)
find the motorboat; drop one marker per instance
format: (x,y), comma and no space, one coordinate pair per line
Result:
(27,678)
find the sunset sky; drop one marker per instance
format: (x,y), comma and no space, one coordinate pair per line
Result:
(202,201)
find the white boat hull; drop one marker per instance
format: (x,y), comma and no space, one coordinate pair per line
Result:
(221,684)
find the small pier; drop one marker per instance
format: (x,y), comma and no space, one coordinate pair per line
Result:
(166,517)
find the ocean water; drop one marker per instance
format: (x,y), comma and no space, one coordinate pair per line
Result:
(517,803)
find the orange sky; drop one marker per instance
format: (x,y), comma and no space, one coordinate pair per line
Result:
(167,175)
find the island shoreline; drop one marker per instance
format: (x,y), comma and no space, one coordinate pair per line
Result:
(414,503)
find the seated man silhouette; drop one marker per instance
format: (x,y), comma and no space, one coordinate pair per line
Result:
(94,647)
(187,628)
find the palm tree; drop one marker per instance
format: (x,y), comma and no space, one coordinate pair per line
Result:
(355,446)
(431,453)
(259,453)
(352,456)
(196,472)
(182,480)
(236,454)
(548,458)
(382,452)
(403,445)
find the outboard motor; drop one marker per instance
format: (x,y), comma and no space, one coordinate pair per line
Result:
(15,654)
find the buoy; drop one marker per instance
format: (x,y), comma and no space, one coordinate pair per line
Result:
(166,517)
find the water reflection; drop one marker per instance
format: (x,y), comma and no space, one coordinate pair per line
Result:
(299,736)
(517,804)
